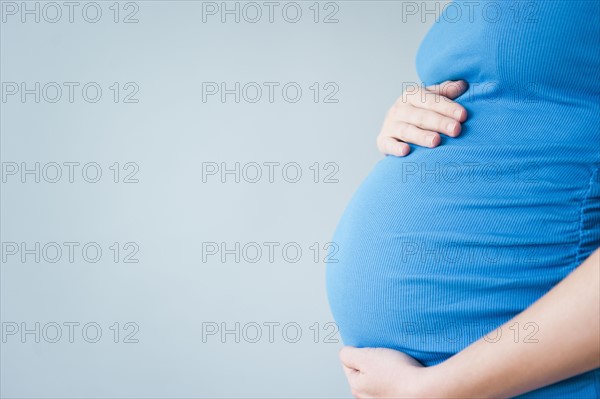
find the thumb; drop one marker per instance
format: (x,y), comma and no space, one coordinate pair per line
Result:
(354,358)
(450,88)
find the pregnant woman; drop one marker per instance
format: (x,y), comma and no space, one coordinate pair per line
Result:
(472,269)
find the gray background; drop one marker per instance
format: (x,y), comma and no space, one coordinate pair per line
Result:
(170,212)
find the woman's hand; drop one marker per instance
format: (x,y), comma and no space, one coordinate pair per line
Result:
(385,373)
(417,117)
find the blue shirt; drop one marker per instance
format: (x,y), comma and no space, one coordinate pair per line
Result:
(441,247)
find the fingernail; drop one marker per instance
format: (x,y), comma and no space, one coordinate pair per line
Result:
(451,126)
(458,113)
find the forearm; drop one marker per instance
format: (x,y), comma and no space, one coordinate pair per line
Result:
(568,343)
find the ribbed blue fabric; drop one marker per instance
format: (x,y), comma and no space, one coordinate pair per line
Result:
(441,247)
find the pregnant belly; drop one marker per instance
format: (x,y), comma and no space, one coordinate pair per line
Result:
(441,247)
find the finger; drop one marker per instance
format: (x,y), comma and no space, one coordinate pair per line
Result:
(450,88)
(430,120)
(348,357)
(439,98)
(391,146)
(351,374)
(355,358)
(414,135)
(435,102)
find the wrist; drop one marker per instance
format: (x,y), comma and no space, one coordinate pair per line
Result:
(441,382)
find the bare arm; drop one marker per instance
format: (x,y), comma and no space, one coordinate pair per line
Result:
(568,344)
